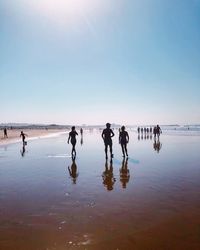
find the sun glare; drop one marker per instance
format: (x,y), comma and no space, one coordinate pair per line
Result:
(63,10)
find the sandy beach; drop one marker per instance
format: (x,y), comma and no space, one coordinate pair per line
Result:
(147,201)
(14,134)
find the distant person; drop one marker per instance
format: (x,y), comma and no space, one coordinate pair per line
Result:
(72,136)
(108,177)
(73,170)
(5,133)
(150,130)
(138,130)
(147,130)
(158,131)
(124,173)
(142,130)
(107,135)
(23,135)
(123,140)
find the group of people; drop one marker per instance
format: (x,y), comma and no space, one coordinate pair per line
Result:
(107,135)
(155,130)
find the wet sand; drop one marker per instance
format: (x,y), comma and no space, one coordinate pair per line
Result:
(150,201)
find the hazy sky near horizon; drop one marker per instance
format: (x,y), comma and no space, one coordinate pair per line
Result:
(93,61)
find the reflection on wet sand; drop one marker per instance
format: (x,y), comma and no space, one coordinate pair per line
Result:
(157,145)
(108,177)
(81,141)
(124,172)
(23,150)
(73,170)
(40,210)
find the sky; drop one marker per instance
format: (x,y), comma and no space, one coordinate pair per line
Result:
(98,61)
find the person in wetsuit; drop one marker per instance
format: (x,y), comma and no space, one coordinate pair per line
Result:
(72,136)
(107,135)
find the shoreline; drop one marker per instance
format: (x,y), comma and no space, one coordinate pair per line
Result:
(33,134)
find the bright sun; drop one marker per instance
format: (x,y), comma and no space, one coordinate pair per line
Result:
(65,9)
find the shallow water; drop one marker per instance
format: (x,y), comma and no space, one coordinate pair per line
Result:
(150,201)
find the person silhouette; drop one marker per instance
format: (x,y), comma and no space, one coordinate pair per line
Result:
(124,173)
(123,140)
(23,135)
(138,129)
(107,135)
(5,133)
(108,177)
(72,136)
(73,170)
(158,131)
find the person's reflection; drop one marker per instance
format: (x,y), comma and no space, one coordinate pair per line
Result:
(124,173)
(138,137)
(108,177)
(73,171)
(23,150)
(81,140)
(157,144)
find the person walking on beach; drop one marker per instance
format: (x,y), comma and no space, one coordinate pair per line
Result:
(158,131)
(123,140)
(23,135)
(5,133)
(72,136)
(107,135)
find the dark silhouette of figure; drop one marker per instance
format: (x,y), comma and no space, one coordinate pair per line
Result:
(147,130)
(157,144)
(123,140)
(72,136)
(138,137)
(73,170)
(124,173)
(108,177)
(107,135)
(5,133)
(158,131)
(23,150)
(142,130)
(138,130)
(23,135)
(150,130)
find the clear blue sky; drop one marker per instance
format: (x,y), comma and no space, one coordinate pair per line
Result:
(93,61)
